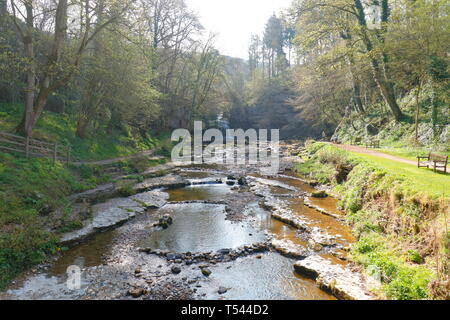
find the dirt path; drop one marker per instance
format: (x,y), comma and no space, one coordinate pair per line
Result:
(111,161)
(375,153)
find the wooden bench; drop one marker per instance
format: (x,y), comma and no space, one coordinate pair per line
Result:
(373,144)
(433,160)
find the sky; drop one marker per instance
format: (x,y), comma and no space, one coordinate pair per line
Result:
(235,21)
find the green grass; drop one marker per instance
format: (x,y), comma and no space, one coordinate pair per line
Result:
(61,128)
(409,153)
(30,190)
(397,212)
(415,179)
(34,209)
(402,280)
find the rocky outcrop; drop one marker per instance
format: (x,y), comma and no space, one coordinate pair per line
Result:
(223,255)
(341,282)
(103,191)
(170,181)
(114,213)
(282,213)
(151,200)
(289,249)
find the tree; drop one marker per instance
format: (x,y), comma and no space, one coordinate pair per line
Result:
(54,72)
(348,19)
(274,41)
(382,77)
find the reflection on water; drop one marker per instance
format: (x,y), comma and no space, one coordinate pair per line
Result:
(317,219)
(280,230)
(88,254)
(201,228)
(270,278)
(329,204)
(213,192)
(295,182)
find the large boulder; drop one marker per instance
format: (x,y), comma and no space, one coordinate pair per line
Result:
(343,283)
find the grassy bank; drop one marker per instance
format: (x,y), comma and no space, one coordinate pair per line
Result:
(34,209)
(399,214)
(61,128)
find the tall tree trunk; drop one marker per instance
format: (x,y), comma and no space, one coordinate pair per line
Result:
(434,110)
(35,106)
(381,78)
(417,113)
(355,81)
(357,95)
(24,126)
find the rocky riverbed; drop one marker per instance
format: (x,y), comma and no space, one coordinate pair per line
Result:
(204,232)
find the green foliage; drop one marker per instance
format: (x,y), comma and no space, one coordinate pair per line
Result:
(326,163)
(314,147)
(388,204)
(72,226)
(30,190)
(165,148)
(415,257)
(127,190)
(333,156)
(401,280)
(322,173)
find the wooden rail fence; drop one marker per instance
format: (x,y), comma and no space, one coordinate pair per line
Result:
(34,148)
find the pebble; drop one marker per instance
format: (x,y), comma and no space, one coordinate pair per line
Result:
(176,270)
(206,272)
(137,293)
(222,290)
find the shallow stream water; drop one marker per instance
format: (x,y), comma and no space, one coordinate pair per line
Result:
(200,227)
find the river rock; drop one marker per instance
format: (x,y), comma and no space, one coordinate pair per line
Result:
(206,272)
(222,290)
(319,194)
(137,293)
(281,212)
(103,191)
(173,256)
(242,181)
(319,236)
(290,249)
(343,283)
(105,215)
(170,181)
(165,221)
(176,270)
(152,199)
(224,251)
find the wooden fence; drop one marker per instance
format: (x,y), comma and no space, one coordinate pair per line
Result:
(34,148)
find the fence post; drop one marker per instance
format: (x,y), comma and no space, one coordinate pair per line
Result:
(27,147)
(55,152)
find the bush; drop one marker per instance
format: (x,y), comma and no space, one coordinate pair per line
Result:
(401,281)
(127,190)
(331,155)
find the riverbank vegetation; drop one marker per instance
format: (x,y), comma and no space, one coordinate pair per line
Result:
(34,205)
(111,78)
(107,79)
(399,215)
